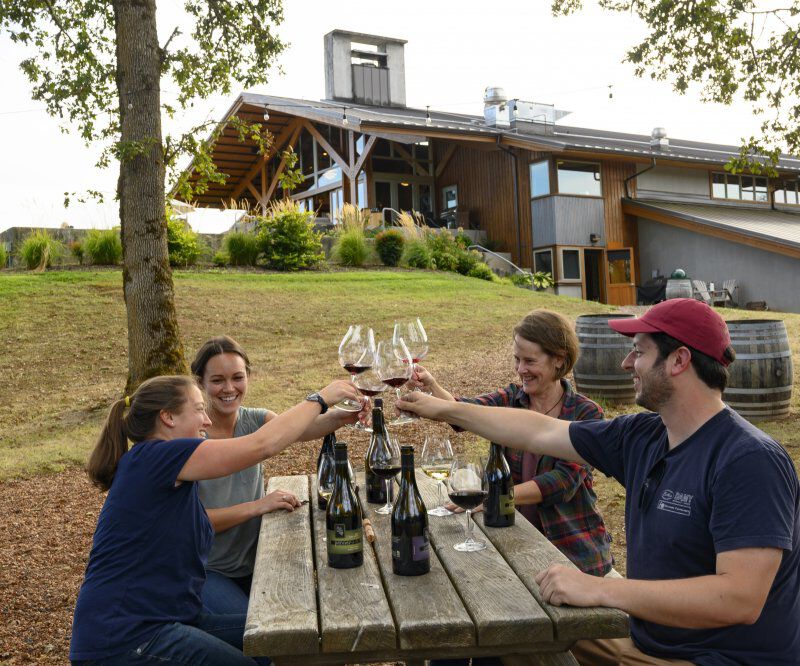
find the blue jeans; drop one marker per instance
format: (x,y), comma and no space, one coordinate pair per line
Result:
(215,640)
(226,596)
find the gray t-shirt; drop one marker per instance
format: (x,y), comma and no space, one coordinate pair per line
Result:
(234,551)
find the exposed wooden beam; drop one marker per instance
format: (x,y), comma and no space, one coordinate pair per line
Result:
(416,166)
(451,149)
(351,154)
(253,191)
(328,147)
(287,134)
(363,157)
(281,166)
(675,221)
(263,183)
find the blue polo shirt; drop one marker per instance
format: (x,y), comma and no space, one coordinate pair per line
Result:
(147,563)
(728,486)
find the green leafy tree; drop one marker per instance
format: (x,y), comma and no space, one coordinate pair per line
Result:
(100,67)
(733,49)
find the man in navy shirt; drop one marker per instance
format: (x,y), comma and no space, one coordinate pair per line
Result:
(712,506)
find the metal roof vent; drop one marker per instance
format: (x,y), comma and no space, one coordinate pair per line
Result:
(495,109)
(494,95)
(658,138)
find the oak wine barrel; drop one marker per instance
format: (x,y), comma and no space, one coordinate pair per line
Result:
(598,372)
(678,289)
(760,384)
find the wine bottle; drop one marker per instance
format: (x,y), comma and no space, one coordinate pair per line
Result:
(411,555)
(376,488)
(345,537)
(498,508)
(325,468)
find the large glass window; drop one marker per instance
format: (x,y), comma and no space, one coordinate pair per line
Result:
(581,178)
(788,192)
(570,264)
(540,178)
(739,187)
(543,261)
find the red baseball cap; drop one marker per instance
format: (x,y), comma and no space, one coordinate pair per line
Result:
(691,322)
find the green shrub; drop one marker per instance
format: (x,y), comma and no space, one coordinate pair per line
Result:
(183,243)
(463,241)
(242,248)
(445,261)
(76,248)
(287,239)
(482,271)
(389,246)
(467,260)
(542,280)
(220,258)
(103,247)
(3,256)
(350,248)
(40,250)
(521,280)
(417,254)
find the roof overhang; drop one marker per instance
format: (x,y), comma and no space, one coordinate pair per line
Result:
(770,230)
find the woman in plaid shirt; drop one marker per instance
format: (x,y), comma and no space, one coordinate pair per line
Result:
(553,494)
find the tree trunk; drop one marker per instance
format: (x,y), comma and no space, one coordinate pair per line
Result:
(154,345)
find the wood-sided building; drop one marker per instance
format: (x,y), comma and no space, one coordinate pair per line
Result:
(597,209)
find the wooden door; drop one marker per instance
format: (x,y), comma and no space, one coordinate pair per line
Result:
(620,277)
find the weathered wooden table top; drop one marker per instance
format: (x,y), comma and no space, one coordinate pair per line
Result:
(470,604)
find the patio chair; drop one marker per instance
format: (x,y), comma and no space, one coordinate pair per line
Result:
(730,287)
(701,291)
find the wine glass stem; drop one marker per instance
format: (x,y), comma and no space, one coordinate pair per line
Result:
(468,538)
(387,484)
(439,489)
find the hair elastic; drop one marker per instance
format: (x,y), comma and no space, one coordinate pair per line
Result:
(127,401)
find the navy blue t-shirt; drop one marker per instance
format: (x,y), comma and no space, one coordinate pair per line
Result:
(728,486)
(147,564)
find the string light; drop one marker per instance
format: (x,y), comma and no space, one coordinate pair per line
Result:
(266,113)
(428,120)
(345,121)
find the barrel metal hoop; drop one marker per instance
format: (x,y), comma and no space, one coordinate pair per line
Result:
(780,354)
(758,391)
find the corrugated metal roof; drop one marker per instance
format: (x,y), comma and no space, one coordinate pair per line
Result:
(557,137)
(774,225)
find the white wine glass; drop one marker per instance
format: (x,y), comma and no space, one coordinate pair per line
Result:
(356,355)
(466,488)
(436,460)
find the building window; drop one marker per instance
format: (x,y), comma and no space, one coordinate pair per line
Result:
(450,196)
(540,179)
(571,265)
(582,178)
(619,266)
(739,187)
(788,192)
(543,261)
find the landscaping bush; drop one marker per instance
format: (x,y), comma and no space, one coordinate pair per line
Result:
(389,246)
(417,254)
(103,247)
(3,256)
(242,248)
(76,248)
(286,238)
(40,250)
(482,271)
(220,259)
(463,241)
(445,261)
(521,280)
(467,260)
(350,248)
(183,243)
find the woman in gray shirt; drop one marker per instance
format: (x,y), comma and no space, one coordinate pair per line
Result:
(235,503)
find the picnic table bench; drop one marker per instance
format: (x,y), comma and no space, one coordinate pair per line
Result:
(470,604)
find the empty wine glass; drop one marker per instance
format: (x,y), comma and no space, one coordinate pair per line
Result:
(466,489)
(356,354)
(383,458)
(415,337)
(394,369)
(436,460)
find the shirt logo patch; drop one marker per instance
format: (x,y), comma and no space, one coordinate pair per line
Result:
(675,502)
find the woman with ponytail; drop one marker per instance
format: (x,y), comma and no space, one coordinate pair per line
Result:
(141,596)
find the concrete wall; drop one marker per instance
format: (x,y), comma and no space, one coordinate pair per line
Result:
(565,220)
(762,275)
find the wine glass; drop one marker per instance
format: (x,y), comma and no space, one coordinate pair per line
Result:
(415,337)
(356,354)
(394,369)
(383,458)
(326,475)
(368,383)
(466,488)
(436,460)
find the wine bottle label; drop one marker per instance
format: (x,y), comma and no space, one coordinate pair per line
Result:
(420,547)
(342,541)
(507,504)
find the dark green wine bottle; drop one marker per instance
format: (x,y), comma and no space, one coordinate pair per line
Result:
(411,555)
(498,507)
(345,538)
(325,467)
(376,488)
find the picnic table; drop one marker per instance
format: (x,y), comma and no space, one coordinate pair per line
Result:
(470,604)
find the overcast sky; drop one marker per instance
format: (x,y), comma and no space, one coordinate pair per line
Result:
(455,49)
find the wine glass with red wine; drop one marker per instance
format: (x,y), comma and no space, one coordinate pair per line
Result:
(383,458)
(368,383)
(394,369)
(414,335)
(356,355)
(466,488)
